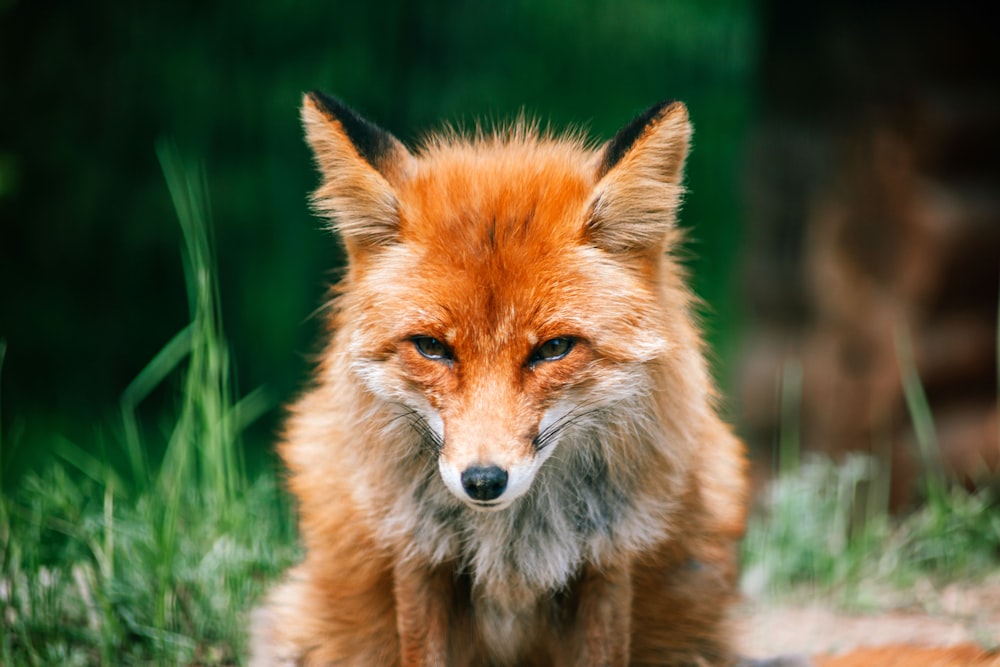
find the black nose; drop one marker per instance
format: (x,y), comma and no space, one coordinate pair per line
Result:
(484,483)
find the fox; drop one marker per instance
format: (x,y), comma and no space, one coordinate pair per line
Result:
(511,452)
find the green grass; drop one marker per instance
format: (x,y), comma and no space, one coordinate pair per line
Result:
(157,563)
(826,529)
(820,535)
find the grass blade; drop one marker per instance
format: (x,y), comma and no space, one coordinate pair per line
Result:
(921,417)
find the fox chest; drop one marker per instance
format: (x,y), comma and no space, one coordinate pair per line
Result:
(531,549)
(484,629)
(516,571)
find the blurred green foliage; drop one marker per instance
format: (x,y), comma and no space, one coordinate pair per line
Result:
(91,285)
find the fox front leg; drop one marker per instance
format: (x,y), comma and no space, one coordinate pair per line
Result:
(599,636)
(422,613)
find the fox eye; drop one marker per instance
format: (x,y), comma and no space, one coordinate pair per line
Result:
(431,348)
(552,350)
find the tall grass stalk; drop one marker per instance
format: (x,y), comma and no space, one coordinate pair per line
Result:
(206,424)
(159,564)
(921,417)
(790,402)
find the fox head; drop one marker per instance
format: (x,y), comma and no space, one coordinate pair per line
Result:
(505,290)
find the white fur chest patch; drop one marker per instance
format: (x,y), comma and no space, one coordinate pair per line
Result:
(575,513)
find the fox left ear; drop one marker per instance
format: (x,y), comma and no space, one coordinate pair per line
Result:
(361,164)
(639,189)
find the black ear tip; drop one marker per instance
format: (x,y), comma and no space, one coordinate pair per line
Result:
(329,104)
(623,140)
(659,107)
(639,123)
(372,142)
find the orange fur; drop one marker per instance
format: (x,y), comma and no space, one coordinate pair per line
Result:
(512,310)
(965,655)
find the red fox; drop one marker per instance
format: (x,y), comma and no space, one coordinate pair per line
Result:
(511,454)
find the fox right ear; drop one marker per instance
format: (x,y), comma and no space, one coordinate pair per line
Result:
(639,188)
(360,164)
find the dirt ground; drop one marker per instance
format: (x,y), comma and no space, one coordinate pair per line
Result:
(926,616)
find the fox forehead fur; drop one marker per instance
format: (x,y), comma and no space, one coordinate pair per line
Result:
(491,246)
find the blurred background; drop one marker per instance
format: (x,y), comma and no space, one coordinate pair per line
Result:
(843,200)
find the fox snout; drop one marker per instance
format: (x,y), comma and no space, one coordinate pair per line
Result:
(484,484)
(488,479)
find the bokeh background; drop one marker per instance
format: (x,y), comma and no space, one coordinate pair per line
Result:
(842,190)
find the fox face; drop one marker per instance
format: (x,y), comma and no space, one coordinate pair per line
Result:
(505,291)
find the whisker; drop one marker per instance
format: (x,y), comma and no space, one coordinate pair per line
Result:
(554,430)
(428,437)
